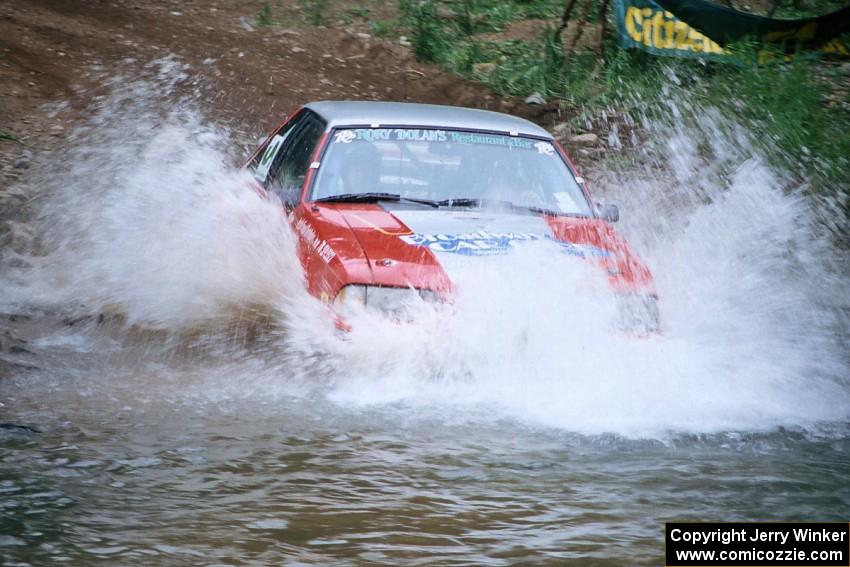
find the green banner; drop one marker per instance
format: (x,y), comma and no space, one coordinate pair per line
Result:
(643,24)
(699,29)
(726,25)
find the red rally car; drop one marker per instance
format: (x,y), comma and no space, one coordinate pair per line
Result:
(384,197)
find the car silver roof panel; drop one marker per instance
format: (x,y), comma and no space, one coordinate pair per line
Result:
(359,113)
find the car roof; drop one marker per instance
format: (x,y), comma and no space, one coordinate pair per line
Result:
(359,113)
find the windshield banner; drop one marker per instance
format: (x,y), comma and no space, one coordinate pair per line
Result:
(428,135)
(695,28)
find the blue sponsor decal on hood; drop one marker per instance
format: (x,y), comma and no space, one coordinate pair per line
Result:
(488,243)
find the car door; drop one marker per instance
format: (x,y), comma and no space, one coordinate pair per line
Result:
(285,178)
(289,169)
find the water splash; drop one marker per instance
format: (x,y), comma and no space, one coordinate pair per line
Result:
(146,219)
(754,300)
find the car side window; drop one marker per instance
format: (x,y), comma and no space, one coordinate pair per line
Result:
(289,173)
(272,151)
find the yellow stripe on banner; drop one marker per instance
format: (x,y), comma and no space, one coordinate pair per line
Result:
(660,29)
(835,47)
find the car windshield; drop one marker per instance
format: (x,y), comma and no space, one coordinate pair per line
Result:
(445,166)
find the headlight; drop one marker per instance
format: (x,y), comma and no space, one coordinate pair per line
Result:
(638,314)
(350,297)
(395,301)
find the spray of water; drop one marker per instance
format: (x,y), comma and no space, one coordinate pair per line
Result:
(146,220)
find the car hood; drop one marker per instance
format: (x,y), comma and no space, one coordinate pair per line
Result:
(422,247)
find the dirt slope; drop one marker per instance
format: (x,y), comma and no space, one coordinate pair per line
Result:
(62,50)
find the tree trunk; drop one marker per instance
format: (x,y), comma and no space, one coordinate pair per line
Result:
(582,21)
(603,13)
(564,19)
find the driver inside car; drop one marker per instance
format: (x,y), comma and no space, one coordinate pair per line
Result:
(362,172)
(508,181)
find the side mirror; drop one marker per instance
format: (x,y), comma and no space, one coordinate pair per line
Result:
(610,213)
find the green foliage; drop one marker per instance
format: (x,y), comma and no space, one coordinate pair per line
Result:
(357,13)
(264,15)
(385,28)
(4,137)
(429,39)
(445,32)
(315,11)
(463,56)
(527,67)
(786,102)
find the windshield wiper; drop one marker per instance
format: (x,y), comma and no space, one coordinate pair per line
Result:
(373,198)
(553,212)
(468,202)
(544,211)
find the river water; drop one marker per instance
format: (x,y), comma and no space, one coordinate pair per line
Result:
(192,405)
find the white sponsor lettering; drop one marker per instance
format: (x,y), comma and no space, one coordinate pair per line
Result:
(545,148)
(322,248)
